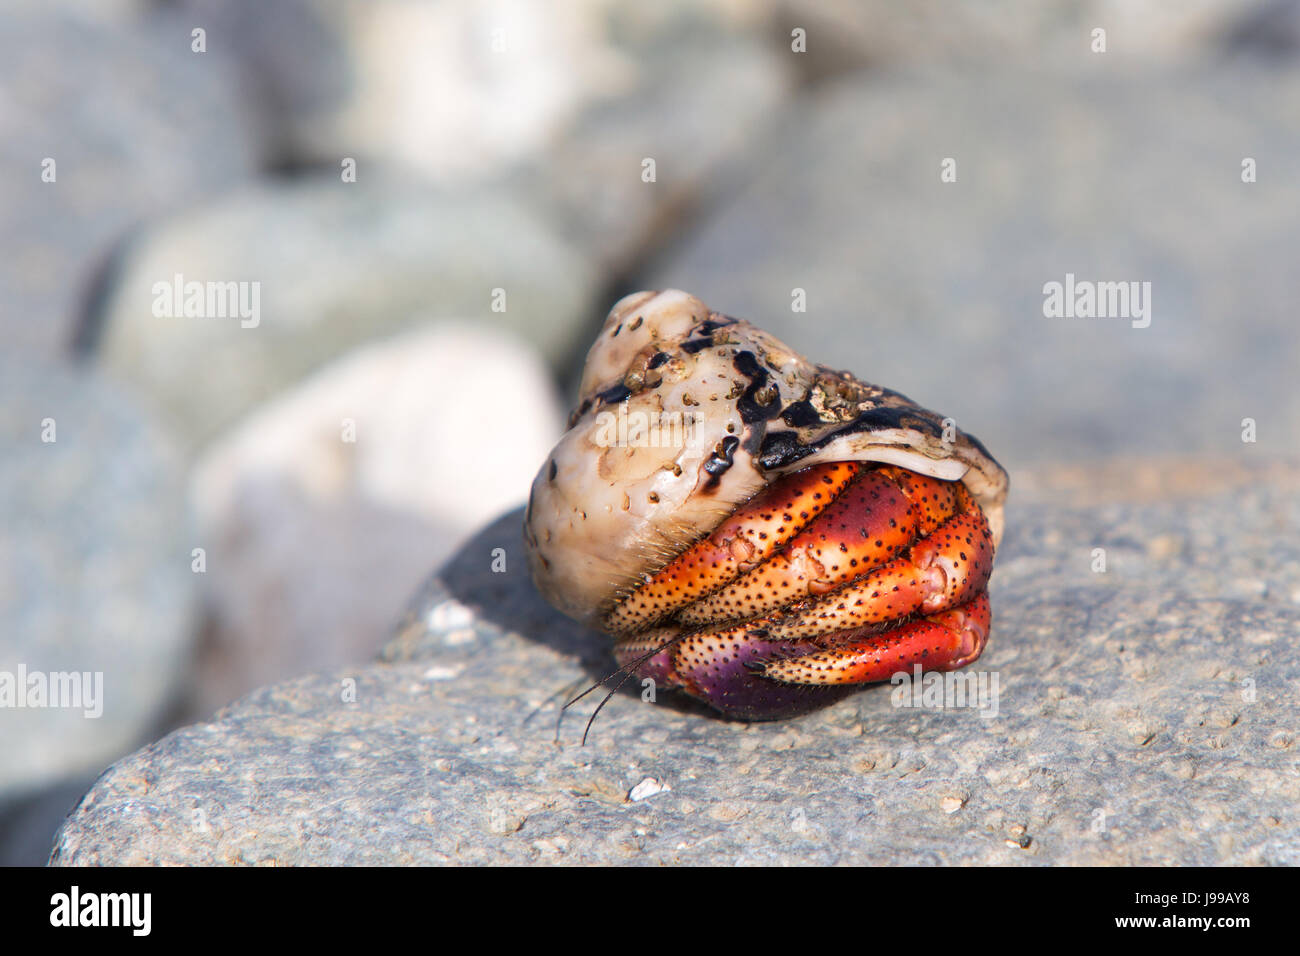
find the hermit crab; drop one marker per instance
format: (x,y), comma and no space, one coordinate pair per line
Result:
(756,530)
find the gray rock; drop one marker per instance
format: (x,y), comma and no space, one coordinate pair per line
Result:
(1137,723)
(849,34)
(334,265)
(563,100)
(325,508)
(451,91)
(135,123)
(1222,529)
(94,572)
(1268,30)
(30,820)
(698,97)
(456,93)
(937,289)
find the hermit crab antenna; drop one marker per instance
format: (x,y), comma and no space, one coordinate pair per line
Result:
(627,670)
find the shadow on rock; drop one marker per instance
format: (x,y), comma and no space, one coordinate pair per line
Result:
(485,586)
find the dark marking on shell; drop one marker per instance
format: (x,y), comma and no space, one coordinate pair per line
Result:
(578,412)
(750,408)
(705,332)
(614,394)
(783,448)
(712,325)
(801,414)
(722,457)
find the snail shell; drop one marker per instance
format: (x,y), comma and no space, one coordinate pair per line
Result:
(684,414)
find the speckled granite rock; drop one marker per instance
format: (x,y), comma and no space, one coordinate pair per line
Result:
(1144,715)
(94,571)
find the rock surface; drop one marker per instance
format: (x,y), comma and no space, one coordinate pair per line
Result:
(1144,716)
(324,509)
(94,569)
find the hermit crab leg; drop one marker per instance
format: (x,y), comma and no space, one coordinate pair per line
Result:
(652,653)
(942,570)
(751,534)
(942,642)
(723,667)
(870,523)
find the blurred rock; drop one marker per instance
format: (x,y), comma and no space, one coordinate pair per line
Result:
(703,88)
(119,12)
(333,265)
(1267,30)
(323,510)
(30,820)
(135,123)
(94,572)
(564,98)
(1137,723)
(936,289)
(844,35)
(456,90)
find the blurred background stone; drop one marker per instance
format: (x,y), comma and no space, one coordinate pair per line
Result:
(136,124)
(30,818)
(703,88)
(458,90)
(936,289)
(455,90)
(337,264)
(94,568)
(324,509)
(847,35)
(562,100)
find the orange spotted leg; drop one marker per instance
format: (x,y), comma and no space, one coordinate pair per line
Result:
(941,642)
(830,579)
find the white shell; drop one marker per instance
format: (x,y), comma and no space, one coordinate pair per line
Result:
(670,394)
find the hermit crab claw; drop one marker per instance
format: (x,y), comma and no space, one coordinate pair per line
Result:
(754,529)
